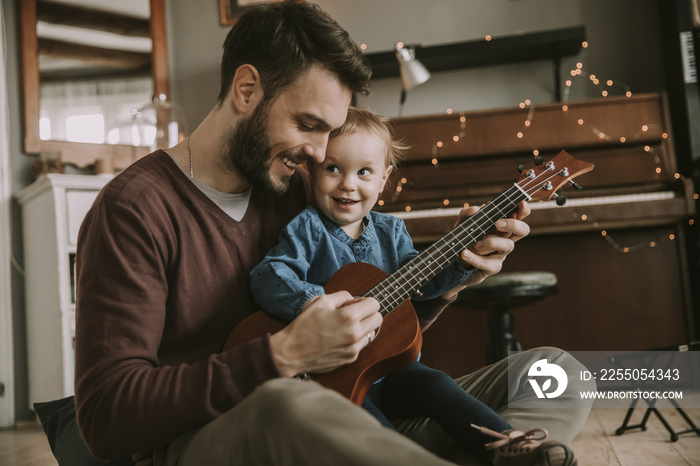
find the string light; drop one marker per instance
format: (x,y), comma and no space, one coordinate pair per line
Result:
(576,74)
(580,71)
(630,248)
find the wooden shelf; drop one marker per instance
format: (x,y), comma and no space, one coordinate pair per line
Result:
(517,48)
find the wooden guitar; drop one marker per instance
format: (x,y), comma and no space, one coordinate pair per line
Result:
(399,341)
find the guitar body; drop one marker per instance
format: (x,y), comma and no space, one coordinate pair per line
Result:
(396,346)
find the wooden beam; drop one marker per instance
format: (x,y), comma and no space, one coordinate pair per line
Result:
(95,56)
(91,74)
(516,48)
(88,18)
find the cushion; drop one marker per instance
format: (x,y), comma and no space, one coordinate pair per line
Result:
(58,420)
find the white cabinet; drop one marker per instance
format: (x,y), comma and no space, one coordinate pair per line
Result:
(53,208)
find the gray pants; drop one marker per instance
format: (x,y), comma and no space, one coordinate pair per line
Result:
(290,422)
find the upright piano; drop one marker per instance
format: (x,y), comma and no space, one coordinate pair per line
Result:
(617,247)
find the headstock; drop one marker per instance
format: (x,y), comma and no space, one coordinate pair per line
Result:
(544,181)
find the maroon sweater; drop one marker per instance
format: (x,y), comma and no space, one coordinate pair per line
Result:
(162,280)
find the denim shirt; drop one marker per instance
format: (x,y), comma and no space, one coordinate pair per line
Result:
(311,249)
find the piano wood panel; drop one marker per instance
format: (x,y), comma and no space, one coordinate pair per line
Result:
(483,162)
(613,210)
(495,131)
(481,179)
(607,299)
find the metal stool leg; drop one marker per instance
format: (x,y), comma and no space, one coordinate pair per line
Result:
(501,325)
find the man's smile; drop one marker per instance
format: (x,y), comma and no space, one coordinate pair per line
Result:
(290,163)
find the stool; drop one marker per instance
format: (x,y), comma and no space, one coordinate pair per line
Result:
(501,293)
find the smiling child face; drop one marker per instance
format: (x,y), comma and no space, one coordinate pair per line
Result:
(348,182)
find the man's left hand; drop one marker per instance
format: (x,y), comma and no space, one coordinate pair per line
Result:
(488,254)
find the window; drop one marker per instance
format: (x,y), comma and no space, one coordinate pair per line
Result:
(86,128)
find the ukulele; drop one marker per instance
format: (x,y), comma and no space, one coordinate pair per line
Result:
(399,341)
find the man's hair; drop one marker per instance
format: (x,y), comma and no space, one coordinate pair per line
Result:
(284,40)
(365,120)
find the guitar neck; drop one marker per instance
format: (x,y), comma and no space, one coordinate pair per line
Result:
(408,279)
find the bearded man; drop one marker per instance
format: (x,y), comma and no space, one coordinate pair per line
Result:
(163,262)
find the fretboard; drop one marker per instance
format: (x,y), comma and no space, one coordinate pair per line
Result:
(408,279)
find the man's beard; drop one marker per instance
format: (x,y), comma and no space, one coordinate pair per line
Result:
(250,152)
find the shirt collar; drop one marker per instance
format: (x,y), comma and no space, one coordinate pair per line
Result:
(367,236)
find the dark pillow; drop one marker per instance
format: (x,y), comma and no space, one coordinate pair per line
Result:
(58,420)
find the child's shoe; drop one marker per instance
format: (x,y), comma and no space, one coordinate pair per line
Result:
(516,448)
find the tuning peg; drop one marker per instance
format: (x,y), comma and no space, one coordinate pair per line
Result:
(521,168)
(560,200)
(539,160)
(576,186)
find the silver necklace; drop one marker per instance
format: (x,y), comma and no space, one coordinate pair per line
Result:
(190,153)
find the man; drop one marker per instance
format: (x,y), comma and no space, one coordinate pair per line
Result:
(163,262)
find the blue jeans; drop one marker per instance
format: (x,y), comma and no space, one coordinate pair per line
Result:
(419,391)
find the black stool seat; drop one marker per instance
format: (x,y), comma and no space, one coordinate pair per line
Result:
(501,293)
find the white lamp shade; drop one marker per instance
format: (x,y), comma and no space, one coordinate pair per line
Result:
(413,73)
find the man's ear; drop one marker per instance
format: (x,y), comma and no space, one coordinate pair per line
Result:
(246,89)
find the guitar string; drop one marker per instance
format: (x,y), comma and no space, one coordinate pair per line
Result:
(490,213)
(424,261)
(398,295)
(438,247)
(455,236)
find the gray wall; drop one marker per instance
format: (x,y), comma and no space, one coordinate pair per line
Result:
(623,36)
(624,46)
